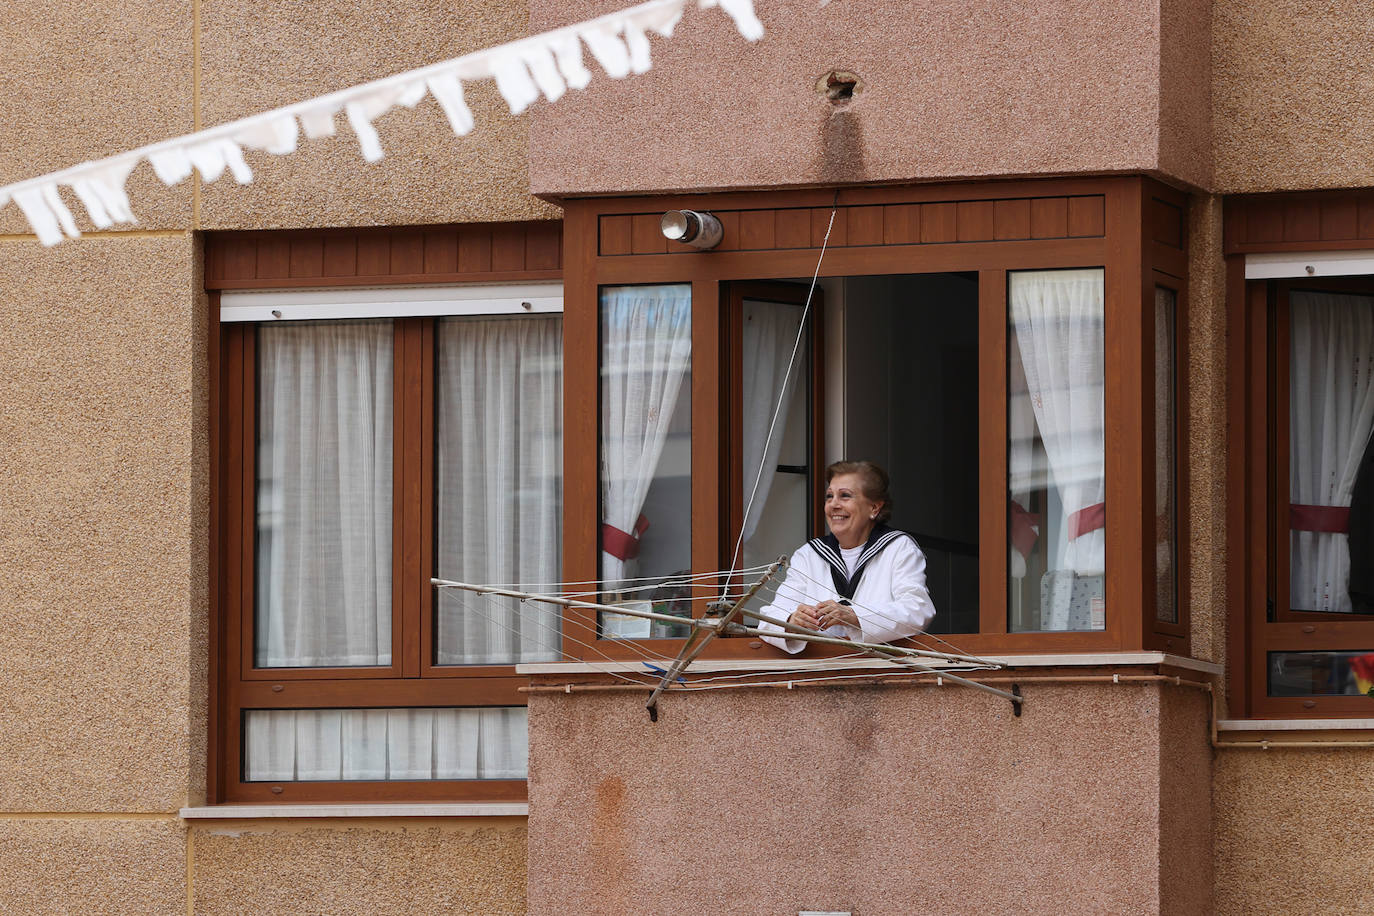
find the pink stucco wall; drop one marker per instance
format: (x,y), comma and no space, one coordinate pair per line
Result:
(893,800)
(950,88)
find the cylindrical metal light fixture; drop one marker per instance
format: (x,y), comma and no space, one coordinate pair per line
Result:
(691,227)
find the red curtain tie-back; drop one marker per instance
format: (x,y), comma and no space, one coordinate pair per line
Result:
(1087,519)
(1329,519)
(1023,533)
(623,545)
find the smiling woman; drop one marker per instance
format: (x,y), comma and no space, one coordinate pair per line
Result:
(864,581)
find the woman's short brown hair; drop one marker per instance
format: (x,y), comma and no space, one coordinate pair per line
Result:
(873,479)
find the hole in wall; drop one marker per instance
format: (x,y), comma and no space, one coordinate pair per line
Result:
(839,86)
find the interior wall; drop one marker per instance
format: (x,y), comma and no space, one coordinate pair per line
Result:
(909,382)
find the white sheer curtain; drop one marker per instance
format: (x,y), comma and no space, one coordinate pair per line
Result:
(500,399)
(1057,321)
(1330,412)
(385,744)
(324,494)
(646,354)
(770,333)
(1022,529)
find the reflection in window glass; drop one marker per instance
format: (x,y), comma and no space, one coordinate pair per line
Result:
(314,745)
(1166,572)
(1330,467)
(499,394)
(646,454)
(324,494)
(1305,674)
(1057,480)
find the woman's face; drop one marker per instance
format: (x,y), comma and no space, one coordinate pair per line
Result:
(850,514)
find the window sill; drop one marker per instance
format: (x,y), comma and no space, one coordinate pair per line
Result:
(1275,734)
(1294,725)
(255,812)
(1047,660)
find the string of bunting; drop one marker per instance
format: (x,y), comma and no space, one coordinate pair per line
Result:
(546,64)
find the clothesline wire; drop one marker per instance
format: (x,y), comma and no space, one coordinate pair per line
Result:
(558,632)
(648,656)
(646,678)
(653,581)
(782,589)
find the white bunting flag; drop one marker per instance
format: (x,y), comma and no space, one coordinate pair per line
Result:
(545,65)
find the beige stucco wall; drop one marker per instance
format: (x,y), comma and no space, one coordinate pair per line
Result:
(1291,831)
(258,54)
(365,867)
(1291,99)
(951,88)
(873,800)
(103,428)
(1204,449)
(102,525)
(85,80)
(1185,104)
(119,866)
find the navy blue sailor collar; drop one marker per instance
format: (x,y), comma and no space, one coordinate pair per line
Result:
(828,548)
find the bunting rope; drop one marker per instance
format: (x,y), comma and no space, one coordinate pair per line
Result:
(546,64)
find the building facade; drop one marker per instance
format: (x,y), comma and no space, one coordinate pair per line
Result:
(1091,280)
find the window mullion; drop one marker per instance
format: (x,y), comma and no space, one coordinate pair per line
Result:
(992,452)
(408,577)
(709,410)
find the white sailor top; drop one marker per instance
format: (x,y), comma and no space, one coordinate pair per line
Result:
(887,589)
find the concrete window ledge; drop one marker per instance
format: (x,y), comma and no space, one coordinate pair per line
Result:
(781,665)
(251,812)
(1294,725)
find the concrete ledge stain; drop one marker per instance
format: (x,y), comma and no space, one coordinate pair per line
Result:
(608,835)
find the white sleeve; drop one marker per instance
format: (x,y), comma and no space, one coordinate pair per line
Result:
(911,609)
(792,592)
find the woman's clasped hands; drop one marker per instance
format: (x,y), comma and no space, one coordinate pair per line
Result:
(824,615)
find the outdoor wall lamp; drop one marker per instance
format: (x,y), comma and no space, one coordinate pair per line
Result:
(690,227)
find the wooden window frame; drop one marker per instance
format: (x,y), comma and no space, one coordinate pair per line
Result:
(495,254)
(1269,625)
(1268,224)
(732,362)
(1139,236)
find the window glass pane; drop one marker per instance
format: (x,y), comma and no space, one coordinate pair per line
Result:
(1057,481)
(499,395)
(774,468)
(315,745)
(324,494)
(1330,468)
(1166,572)
(1304,674)
(646,452)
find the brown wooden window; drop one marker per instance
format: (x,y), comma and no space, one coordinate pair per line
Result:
(1309,390)
(370,440)
(1008,352)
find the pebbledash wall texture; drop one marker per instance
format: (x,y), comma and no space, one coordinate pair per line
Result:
(1099,802)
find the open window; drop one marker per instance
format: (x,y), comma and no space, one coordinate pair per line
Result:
(1014,374)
